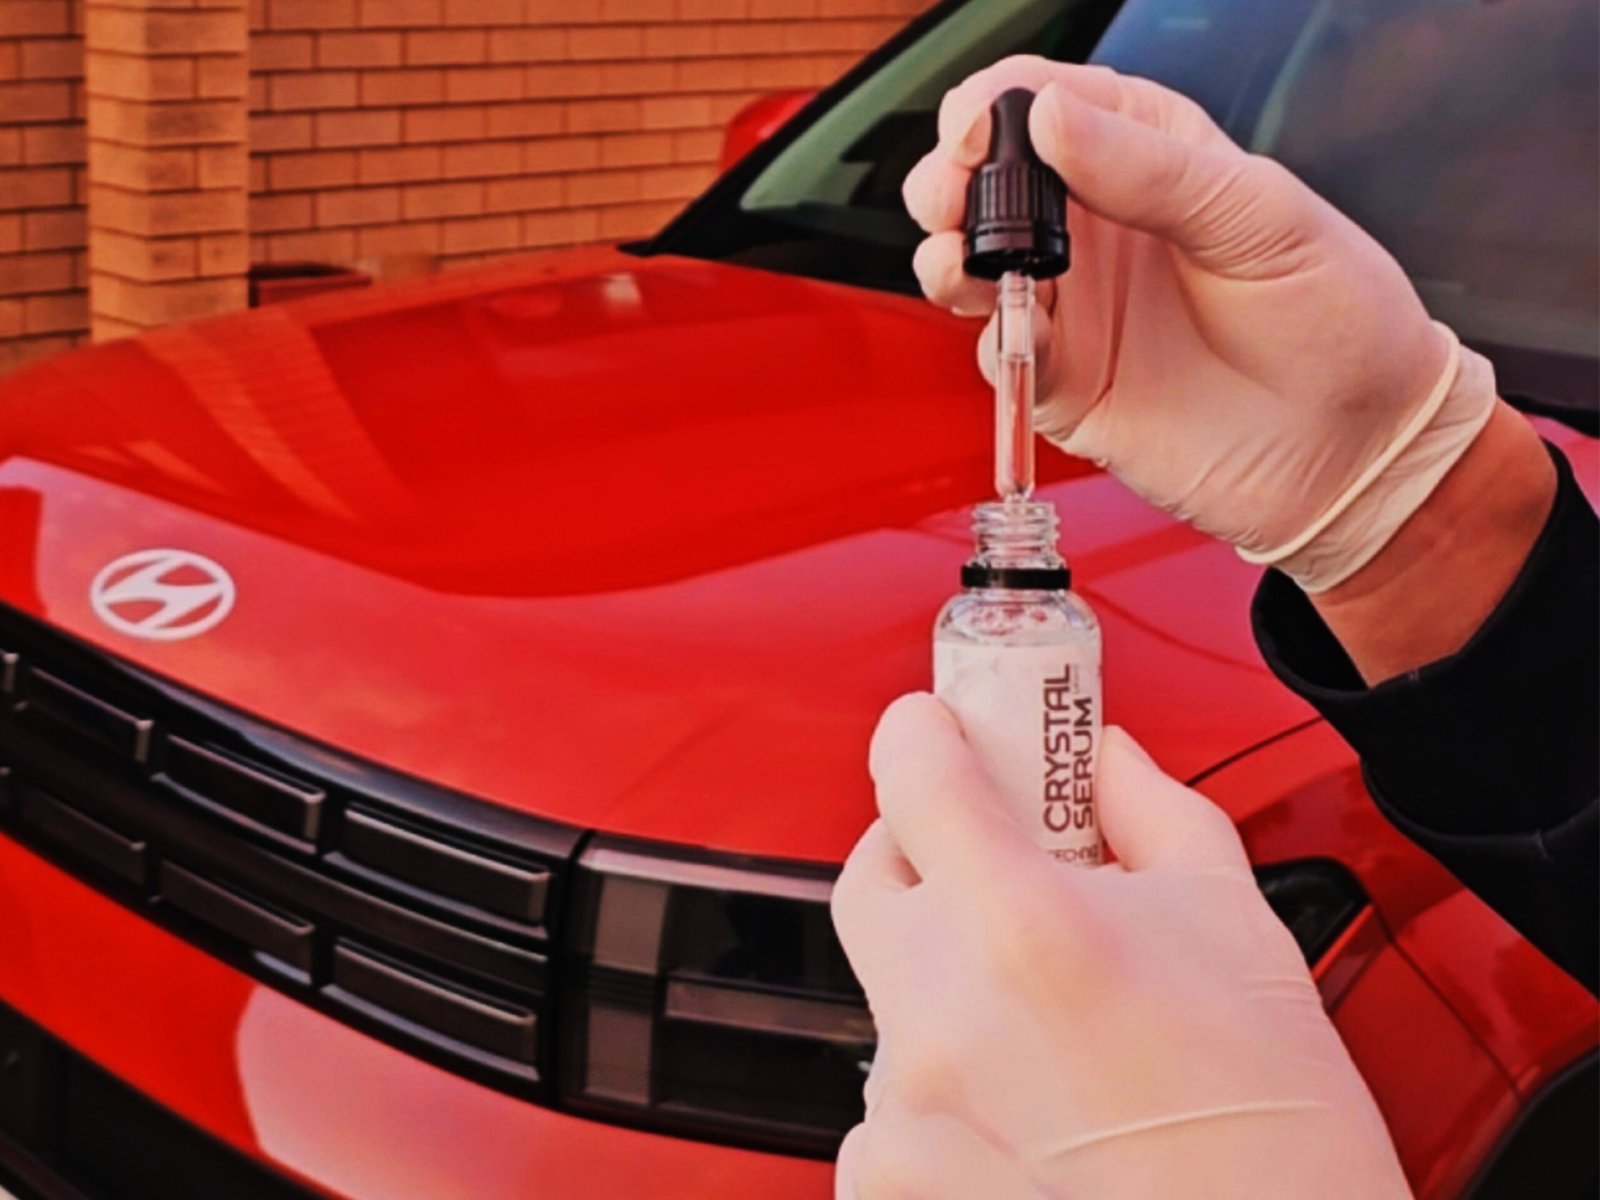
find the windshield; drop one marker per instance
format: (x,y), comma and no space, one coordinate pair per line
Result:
(1462,133)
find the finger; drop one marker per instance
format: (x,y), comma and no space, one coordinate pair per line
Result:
(874,876)
(1152,821)
(937,799)
(844,1168)
(935,192)
(897,1155)
(940,267)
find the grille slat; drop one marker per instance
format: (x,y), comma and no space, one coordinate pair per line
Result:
(227,831)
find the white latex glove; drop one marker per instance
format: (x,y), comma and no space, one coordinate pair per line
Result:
(1226,342)
(1146,1029)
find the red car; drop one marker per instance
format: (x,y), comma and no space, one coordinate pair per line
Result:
(433,716)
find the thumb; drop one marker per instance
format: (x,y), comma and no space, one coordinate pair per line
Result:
(1172,173)
(1152,821)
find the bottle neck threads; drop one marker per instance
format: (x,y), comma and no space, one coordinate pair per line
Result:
(1017,548)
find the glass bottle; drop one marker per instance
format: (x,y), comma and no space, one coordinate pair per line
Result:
(1016,657)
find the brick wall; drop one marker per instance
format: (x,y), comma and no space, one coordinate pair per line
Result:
(389,133)
(43,268)
(468,128)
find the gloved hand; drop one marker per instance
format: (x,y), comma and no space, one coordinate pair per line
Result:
(1142,1029)
(1226,342)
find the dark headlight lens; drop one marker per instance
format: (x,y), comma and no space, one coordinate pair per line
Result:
(710,996)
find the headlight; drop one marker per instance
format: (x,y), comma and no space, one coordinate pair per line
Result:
(709,996)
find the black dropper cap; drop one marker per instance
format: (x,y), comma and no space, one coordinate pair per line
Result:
(1016,205)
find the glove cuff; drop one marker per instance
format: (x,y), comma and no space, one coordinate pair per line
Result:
(1354,528)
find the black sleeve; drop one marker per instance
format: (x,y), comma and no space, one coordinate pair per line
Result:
(1488,759)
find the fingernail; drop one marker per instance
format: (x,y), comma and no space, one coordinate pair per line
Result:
(974,143)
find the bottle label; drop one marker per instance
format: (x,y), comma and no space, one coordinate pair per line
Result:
(1032,716)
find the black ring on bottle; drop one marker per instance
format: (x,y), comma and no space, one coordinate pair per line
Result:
(1035,579)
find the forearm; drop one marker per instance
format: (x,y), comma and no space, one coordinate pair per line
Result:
(1436,582)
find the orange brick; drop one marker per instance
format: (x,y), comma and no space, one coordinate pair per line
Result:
(722,74)
(562,80)
(179,123)
(159,213)
(55,230)
(28,103)
(358,50)
(637,10)
(678,40)
(314,90)
(358,206)
(637,78)
(697,145)
(134,257)
(270,214)
(560,154)
(527,45)
(311,14)
(137,168)
(483,12)
(605,42)
(221,75)
(409,85)
(406,237)
(525,120)
(723,107)
(712,10)
(224,254)
(482,233)
(20,351)
(50,145)
(223,166)
(56,314)
(373,127)
(469,84)
(749,38)
(258,174)
(134,77)
(315,169)
(444,47)
(480,160)
(609,187)
(827,35)
(10,321)
(442,200)
(55,58)
(26,274)
(152,304)
(281,51)
(674,183)
(460,123)
(521,195)
(168,32)
(767,10)
(10,232)
(280,132)
(560,228)
(34,17)
(400,163)
(635,149)
(10,60)
(561,12)
(401,14)
(596,116)
(35,187)
(320,245)
(635,220)
(675,112)
(10,151)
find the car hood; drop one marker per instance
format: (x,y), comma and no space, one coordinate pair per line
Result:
(639,544)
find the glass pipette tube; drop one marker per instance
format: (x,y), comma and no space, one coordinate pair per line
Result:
(1013,389)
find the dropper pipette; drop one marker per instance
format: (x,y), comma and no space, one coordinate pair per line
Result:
(1015,235)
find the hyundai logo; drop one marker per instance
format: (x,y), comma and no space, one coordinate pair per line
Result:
(162,595)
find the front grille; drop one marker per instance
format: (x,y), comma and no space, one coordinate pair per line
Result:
(417,914)
(70,1131)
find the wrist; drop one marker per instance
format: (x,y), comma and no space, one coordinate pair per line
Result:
(1436,581)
